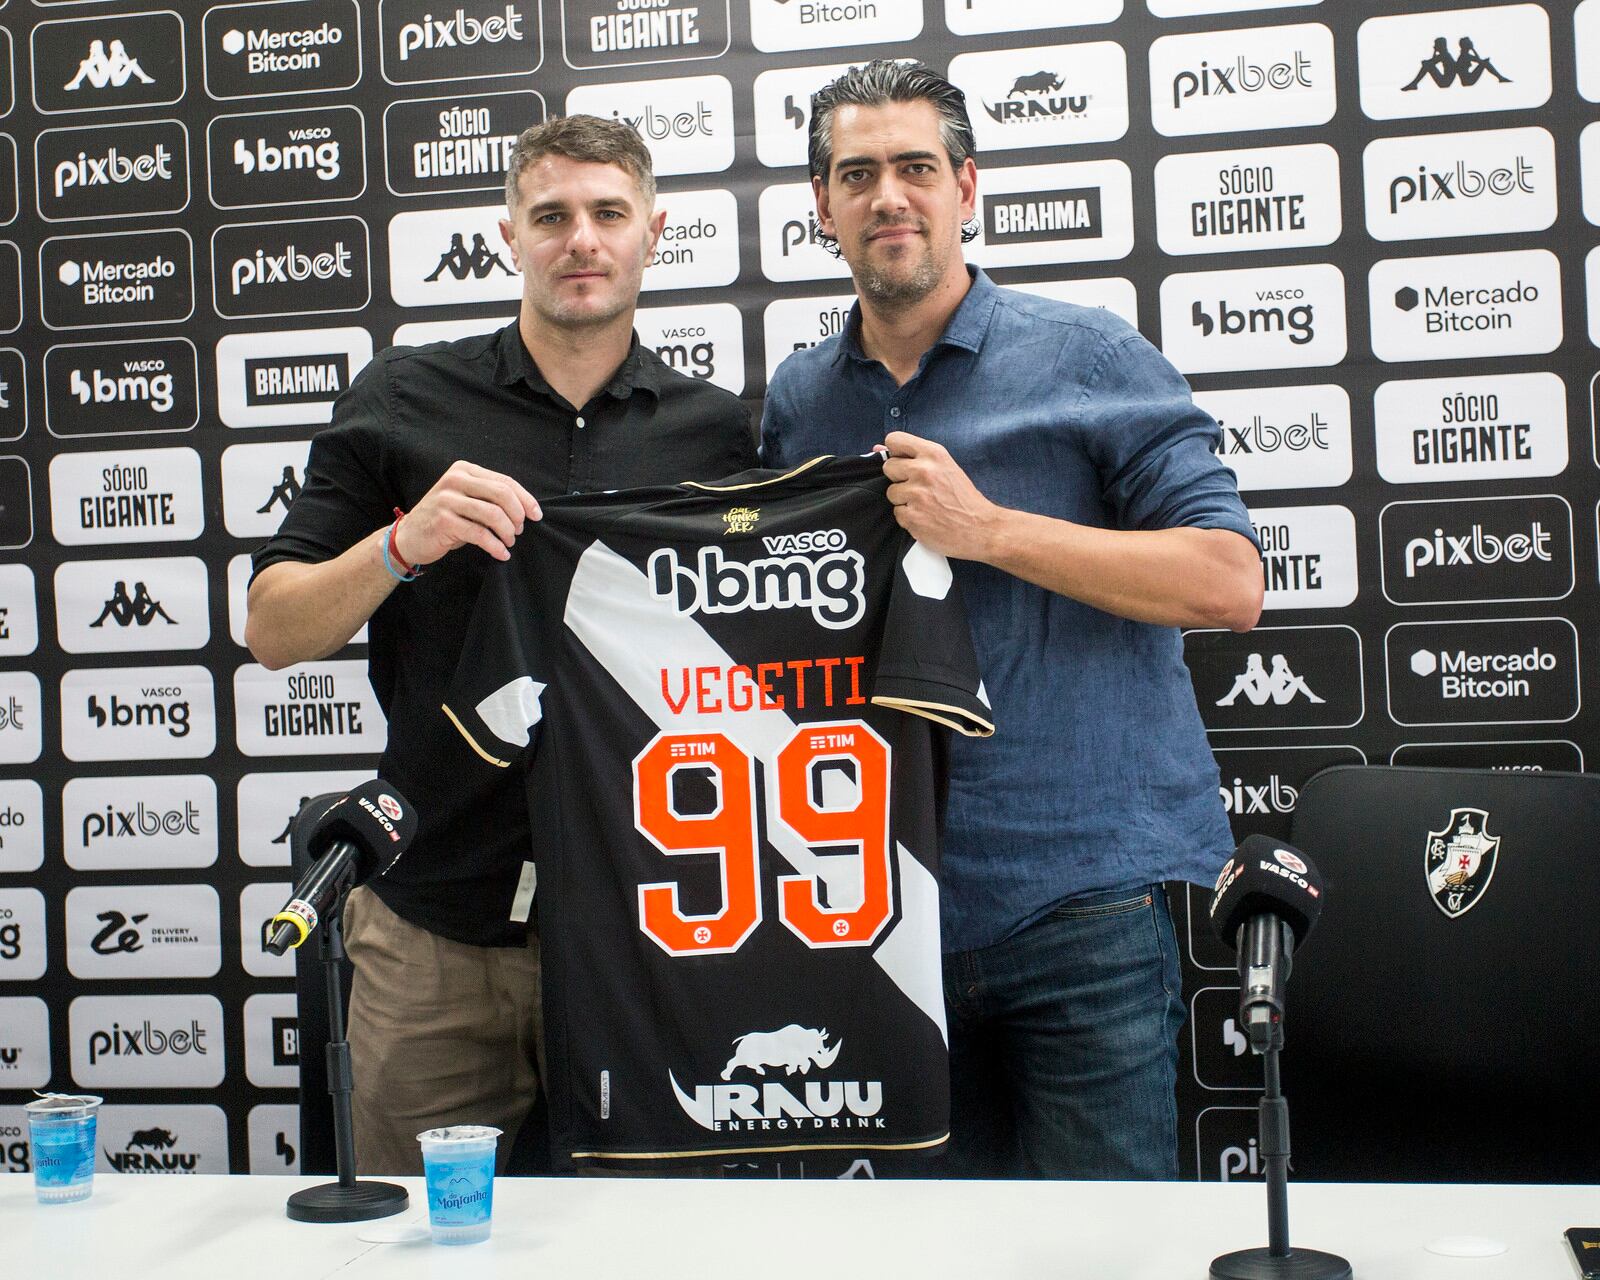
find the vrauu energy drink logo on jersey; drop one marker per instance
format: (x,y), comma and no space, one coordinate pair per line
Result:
(815,571)
(105,171)
(783,1106)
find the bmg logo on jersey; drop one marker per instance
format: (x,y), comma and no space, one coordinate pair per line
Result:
(131,495)
(437,145)
(132,278)
(1465,305)
(263,50)
(146,1042)
(287,378)
(1268,318)
(980,17)
(1055,213)
(777,26)
(1283,437)
(1226,81)
(142,823)
(1483,671)
(108,62)
(1477,550)
(469,40)
(107,171)
(291,268)
(138,713)
(144,931)
(1276,678)
(22,935)
(1233,201)
(319,708)
(1045,97)
(307,156)
(21,713)
(610,33)
(1455,62)
(128,606)
(1504,426)
(686,122)
(705,342)
(1308,556)
(121,388)
(1460,184)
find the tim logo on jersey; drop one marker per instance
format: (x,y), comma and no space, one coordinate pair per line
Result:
(811,570)
(737,1106)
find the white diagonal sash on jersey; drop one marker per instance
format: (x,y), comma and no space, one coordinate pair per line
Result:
(609,608)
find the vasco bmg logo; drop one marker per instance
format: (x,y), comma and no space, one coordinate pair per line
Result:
(132,278)
(304,46)
(438,145)
(467,40)
(290,268)
(108,62)
(104,171)
(308,156)
(119,388)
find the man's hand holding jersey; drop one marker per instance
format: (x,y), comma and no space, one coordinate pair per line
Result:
(470,506)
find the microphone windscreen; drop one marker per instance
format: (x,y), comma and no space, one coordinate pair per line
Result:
(375,818)
(1266,876)
(303,827)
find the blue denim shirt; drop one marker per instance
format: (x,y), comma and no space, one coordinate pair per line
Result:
(1099,776)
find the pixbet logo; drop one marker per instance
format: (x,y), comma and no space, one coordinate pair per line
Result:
(1222,81)
(1283,437)
(164,821)
(112,170)
(112,167)
(687,123)
(459,31)
(146,1040)
(1476,547)
(1487,549)
(1481,183)
(291,268)
(427,40)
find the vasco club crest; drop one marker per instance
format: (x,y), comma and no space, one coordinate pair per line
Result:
(1460,861)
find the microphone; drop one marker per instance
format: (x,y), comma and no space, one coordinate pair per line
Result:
(1267,898)
(356,831)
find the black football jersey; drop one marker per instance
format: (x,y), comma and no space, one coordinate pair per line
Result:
(734,814)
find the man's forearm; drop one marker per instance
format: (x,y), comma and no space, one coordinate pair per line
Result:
(1172,577)
(301,612)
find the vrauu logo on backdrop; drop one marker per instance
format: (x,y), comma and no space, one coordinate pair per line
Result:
(1052,96)
(162,1140)
(108,62)
(1464,305)
(611,33)
(459,143)
(1503,426)
(1233,201)
(25,1044)
(269,49)
(1226,81)
(121,388)
(1283,437)
(1454,62)
(108,170)
(1460,184)
(467,40)
(287,157)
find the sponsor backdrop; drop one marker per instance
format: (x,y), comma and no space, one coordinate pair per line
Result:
(1372,242)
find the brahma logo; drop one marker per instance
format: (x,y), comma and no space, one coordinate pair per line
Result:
(145,931)
(1267,318)
(687,123)
(138,713)
(147,1042)
(705,342)
(438,145)
(981,17)
(1465,305)
(1489,550)
(271,1042)
(612,33)
(1283,437)
(1483,671)
(1276,678)
(1454,62)
(133,495)
(778,26)
(1227,81)
(1236,201)
(290,268)
(832,584)
(699,246)
(1055,213)
(320,708)
(1308,556)
(472,40)
(109,62)
(1045,97)
(287,157)
(268,49)
(841,1105)
(121,388)
(112,170)
(287,378)
(133,278)
(1460,184)
(1503,426)
(139,823)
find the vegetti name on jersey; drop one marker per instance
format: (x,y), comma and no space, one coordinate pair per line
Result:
(735,816)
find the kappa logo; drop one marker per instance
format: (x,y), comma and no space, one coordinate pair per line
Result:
(1462,68)
(1258,686)
(284,492)
(102,67)
(108,63)
(138,609)
(478,263)
(1456,61)
(831,585)
(1460,861)
(744,1108)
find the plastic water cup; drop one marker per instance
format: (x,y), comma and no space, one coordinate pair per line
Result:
(459,1164)
(61,1127)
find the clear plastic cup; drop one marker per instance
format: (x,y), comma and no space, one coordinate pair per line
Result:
(459,1165)
(61,1127)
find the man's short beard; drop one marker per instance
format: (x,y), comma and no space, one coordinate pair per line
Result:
(881,286)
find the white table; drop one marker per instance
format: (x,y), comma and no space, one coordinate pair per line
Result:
(174,1228)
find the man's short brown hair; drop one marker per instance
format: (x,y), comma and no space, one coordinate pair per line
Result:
(585,138)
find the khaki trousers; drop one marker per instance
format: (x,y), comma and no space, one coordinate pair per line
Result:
(440,1033)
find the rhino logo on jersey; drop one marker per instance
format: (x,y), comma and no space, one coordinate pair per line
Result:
(794,1048)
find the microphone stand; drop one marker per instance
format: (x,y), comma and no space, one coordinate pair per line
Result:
(1277,1261)
(346,1200)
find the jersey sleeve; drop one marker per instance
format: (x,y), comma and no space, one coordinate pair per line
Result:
(926,665)
(494,698)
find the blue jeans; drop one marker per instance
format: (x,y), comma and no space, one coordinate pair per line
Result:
(1063,1044)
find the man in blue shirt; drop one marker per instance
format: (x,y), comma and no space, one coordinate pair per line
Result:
(1060,461)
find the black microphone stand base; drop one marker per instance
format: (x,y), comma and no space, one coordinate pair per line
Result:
(359,1202)
(1297,1264)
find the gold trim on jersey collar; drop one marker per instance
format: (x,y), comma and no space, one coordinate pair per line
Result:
(757,484)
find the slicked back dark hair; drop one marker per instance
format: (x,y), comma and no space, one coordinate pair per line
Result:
(882,81)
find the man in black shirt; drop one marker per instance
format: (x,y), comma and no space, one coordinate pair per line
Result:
(461,437)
